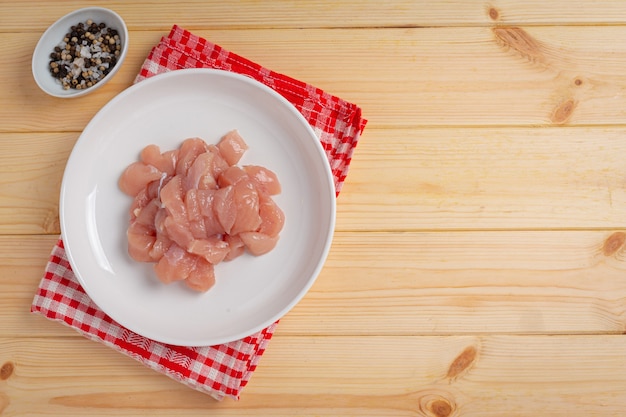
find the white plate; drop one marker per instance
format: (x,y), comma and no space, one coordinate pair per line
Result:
(250,292)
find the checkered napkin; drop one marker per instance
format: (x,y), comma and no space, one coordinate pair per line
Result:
(222,370)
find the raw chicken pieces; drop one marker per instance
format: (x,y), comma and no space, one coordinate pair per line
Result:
(194,207)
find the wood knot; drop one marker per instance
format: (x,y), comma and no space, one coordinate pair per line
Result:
(435,404)
(518,40)
(613,243)
(462,362)
(578,82)
(563,111)
(6,370)
(440,408)
(493,13)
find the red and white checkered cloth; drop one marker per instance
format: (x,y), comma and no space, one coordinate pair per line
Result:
(221,370)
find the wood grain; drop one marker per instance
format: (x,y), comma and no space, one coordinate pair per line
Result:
(507,87)
(485,178)
(305,376)
(31,171)
(402,179)
(479,257)
(373,284)
(199,14)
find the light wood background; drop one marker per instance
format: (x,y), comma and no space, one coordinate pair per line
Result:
(478,266)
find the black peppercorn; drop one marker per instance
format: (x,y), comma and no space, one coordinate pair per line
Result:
(86,54)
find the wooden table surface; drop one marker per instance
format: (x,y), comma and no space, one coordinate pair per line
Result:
(478,266)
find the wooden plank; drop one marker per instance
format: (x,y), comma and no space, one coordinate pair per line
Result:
(33,15)
(413,284)
(401,179)
(485,178)
(467,283)
(348,376)
(404,78)
(22,265)
(31,168)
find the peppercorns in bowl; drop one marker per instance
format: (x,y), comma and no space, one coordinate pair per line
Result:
(80,52)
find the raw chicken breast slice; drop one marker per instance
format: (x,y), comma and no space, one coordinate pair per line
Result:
(164,162)
(136,177)
(160,246)
(232,147)
(172,159)
(147,215)
(247,218)
(212,226)
(258,243)
(224,207)
(137,228)
(194,214)
(140,201)
(175,265)
(154,188)
(139,245)
(213,249)
(159,219)
(172,198)
(202,278)
(192,205)
(198,229)
(231,176)
(219,164)
(187,154)
(144,197)
(205,201)
(236,247)
(200,174)
(178,231)
(265,179)
(272,217)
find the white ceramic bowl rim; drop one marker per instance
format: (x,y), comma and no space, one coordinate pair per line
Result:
(54,35)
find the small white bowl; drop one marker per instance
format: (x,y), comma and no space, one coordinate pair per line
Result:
(55,34)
